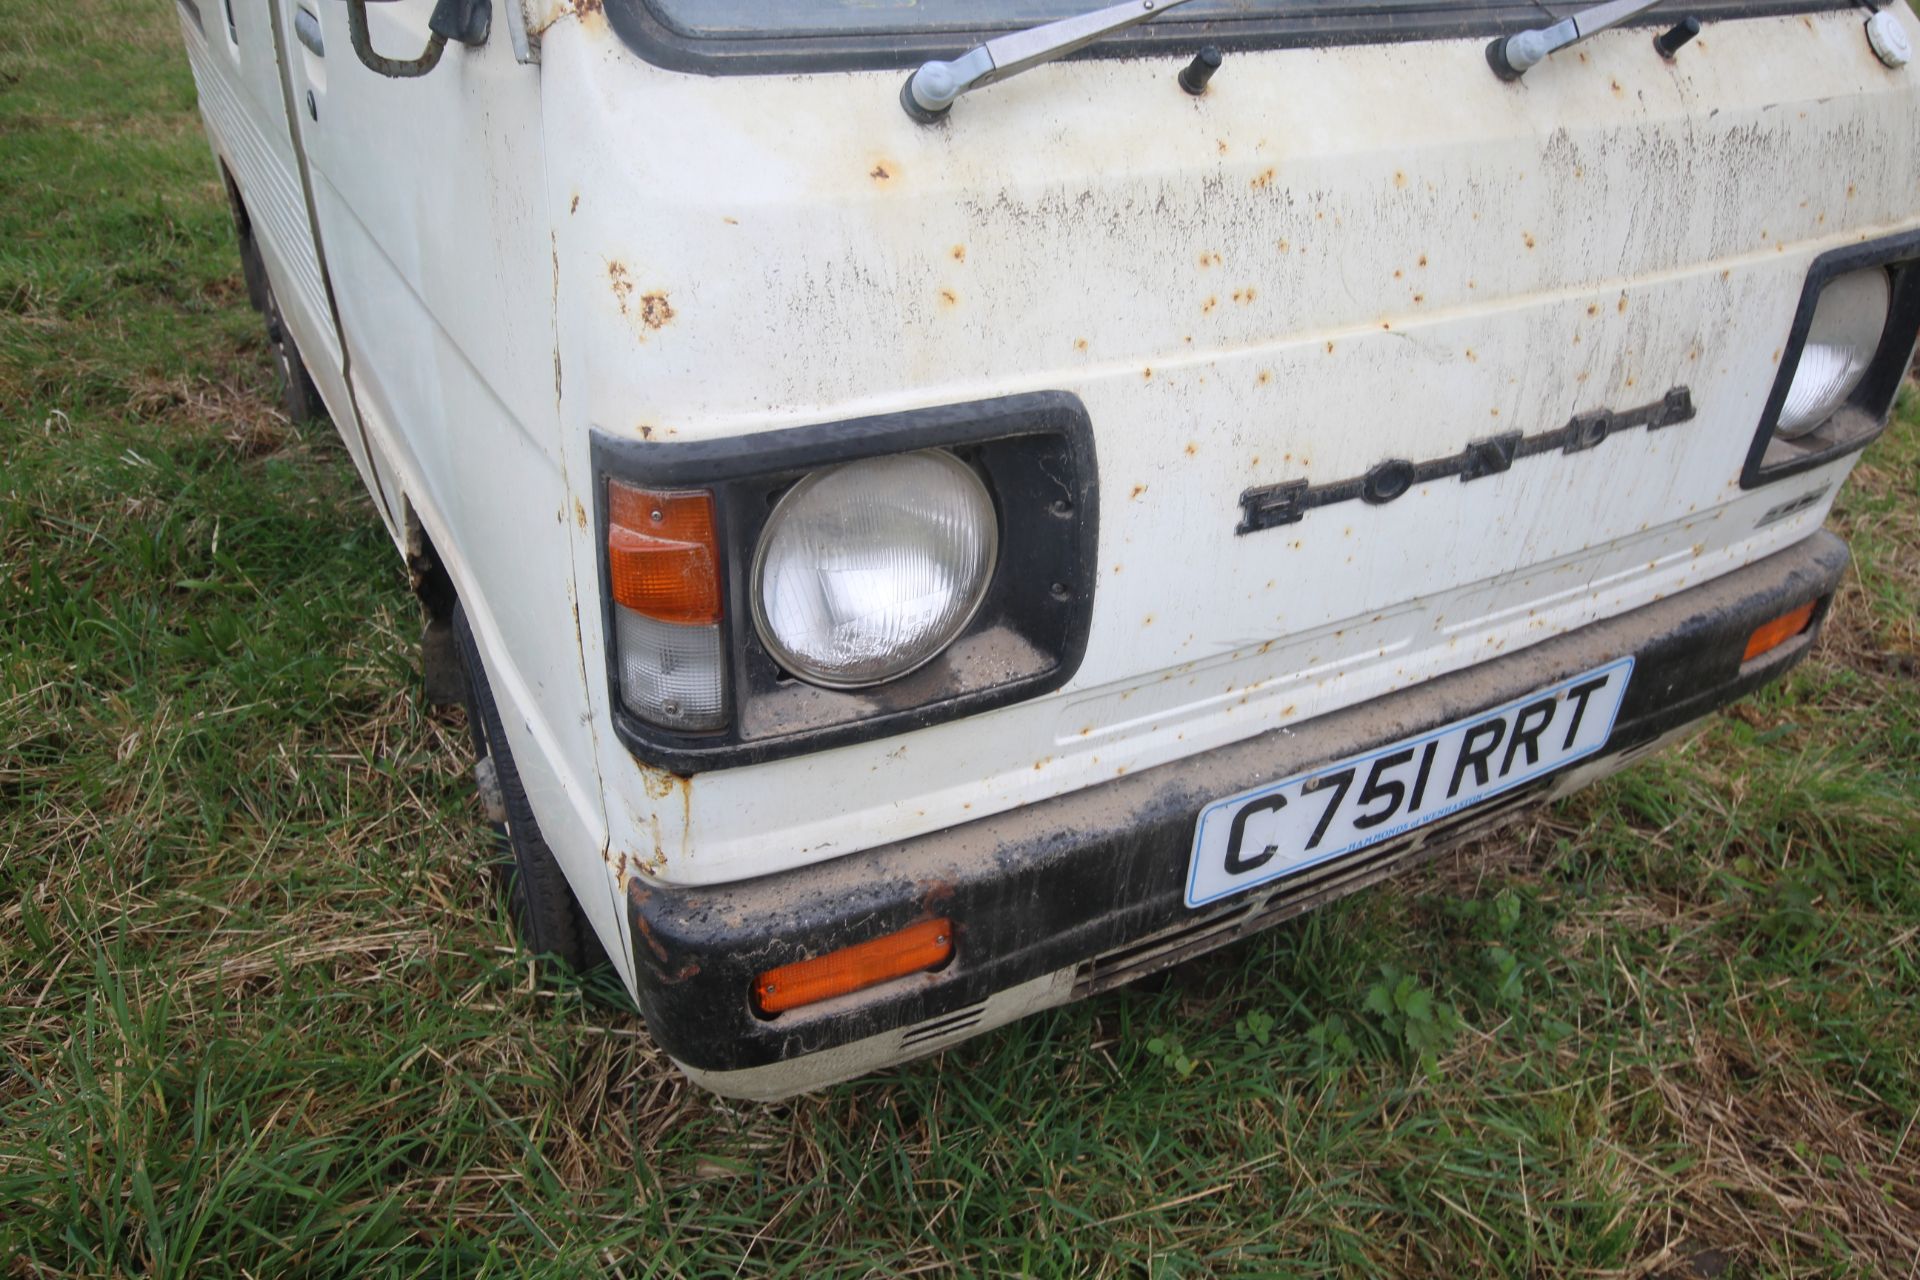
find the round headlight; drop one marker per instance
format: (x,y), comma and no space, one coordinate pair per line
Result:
(1845,332)
(868,570)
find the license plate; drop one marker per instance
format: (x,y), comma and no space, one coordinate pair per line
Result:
(1311,818)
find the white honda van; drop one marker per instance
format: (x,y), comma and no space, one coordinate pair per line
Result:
(921,543)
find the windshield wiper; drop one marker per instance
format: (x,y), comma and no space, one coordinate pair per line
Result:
(931,90)
(1511,56)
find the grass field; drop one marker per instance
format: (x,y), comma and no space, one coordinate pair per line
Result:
(261,1016)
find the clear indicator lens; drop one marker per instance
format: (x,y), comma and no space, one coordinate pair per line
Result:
(1845,332)
(869,570)
(671,675)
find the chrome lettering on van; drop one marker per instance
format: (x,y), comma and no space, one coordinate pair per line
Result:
(1289,501)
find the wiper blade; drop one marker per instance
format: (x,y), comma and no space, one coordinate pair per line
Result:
(931,90)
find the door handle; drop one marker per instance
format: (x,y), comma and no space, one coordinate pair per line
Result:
(306,27)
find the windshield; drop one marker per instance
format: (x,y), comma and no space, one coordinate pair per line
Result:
(875,17)
(749,37)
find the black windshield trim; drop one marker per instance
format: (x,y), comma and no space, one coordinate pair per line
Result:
(1305,27)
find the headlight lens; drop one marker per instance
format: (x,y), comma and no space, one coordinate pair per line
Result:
(866,571)
(1847,323)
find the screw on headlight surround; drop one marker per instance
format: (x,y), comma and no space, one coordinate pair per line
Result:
(1863,415)
(1033,452)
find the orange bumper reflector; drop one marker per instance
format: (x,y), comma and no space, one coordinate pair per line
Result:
(661,554)
(922,946)
(1773,634)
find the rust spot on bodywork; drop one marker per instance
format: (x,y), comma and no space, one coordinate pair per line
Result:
(579,514)
(646,930)
(653,865)
(950,298)
(959,253)
(880,172)
(1079,344)
(1264,180)
(655,310)
(659,784)
(1137,491)
(574,207)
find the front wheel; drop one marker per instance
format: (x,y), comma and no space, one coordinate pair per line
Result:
(299,398)
(540,902)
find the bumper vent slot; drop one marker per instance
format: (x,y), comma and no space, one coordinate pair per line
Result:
(959,1022)
(1294,895)
(1190,937)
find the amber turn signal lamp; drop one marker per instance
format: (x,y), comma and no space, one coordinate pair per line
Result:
(912,950)
(1772,635)
(661,553)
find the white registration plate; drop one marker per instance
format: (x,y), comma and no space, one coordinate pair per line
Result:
(1310,818)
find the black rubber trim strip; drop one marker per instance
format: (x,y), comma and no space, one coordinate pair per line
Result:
(1059,882)
(1302,26)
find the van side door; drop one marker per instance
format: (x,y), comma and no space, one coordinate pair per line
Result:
(431,197)
(233,45)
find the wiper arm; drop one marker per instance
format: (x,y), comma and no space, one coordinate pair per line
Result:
(1511,56)
(932,89)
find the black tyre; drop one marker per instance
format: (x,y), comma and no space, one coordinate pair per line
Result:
(252,269)
(299,398)
(540,902)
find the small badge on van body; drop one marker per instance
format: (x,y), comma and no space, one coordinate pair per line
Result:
(1289,501)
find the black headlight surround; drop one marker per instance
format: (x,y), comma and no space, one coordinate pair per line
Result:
(1035,453)
(1863,416)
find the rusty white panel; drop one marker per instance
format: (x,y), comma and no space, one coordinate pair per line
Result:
(1334,257)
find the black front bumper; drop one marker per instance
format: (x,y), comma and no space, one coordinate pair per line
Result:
(1057,883)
